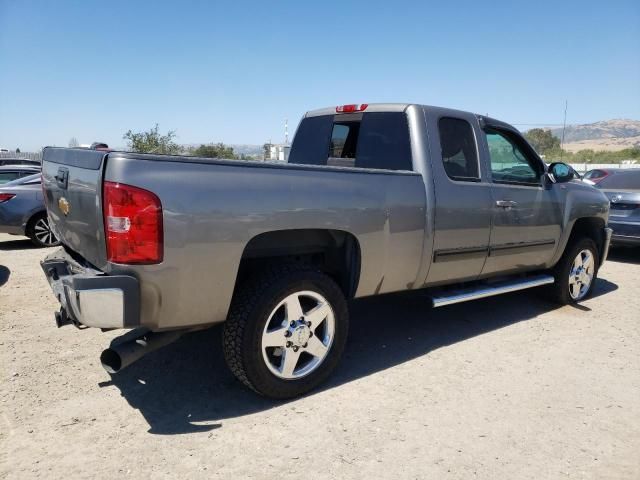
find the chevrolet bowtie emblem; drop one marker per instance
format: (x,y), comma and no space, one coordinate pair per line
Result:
(64,205)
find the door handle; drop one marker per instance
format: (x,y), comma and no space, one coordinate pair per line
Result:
(62,178)
(506,203)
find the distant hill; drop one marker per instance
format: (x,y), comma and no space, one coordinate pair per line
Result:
(611,135)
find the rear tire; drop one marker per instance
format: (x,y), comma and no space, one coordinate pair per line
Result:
(39,231)
(286,331)
(576,272)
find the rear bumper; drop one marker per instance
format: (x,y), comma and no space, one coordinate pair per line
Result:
(89,297)
(625,240)
(625,233)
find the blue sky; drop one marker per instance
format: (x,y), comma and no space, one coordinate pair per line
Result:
(233,71)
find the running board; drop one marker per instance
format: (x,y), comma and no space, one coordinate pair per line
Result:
(474,293)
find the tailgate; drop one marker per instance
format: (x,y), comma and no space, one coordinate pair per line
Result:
(72,185)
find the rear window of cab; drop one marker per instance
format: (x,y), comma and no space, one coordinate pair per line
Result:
(378,140)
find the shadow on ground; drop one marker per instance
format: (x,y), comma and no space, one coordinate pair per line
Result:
(624,255)
(4,275)
(186,387)
(21,244)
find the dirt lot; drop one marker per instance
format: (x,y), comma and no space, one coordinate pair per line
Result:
(509,387)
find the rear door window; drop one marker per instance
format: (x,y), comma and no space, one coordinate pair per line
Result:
(459,152)
(384,142)
(378,140)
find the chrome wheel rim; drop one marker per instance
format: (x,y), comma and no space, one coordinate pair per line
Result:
(43,233)
(298,335)
(581,274)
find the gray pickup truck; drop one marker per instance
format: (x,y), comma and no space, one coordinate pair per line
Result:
(374,199)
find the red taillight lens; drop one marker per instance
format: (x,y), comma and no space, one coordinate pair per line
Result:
(5,197)
(352,108)
(132,224)
(596,176)
(599,179)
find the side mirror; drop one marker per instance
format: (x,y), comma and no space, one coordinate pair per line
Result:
(560,172)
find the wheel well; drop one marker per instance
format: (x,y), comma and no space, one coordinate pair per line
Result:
(334,252)
(591,227)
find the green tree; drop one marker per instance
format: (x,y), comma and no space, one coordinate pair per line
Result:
(215,150)
(152,141)
(584,156)
(542,140)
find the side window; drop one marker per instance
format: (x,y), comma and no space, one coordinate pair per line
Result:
(459,152)
(384,142)
(508,162)
(311,142)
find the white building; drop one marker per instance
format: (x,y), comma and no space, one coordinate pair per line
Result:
(277,152)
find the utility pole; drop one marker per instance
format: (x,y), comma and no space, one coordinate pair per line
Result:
(564,126)
(286,131)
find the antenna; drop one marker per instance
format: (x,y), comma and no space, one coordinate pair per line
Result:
(564,126)
(286,131)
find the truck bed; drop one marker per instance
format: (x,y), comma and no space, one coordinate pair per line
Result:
(212,209)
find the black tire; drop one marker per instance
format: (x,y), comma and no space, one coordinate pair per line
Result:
(250,309)
(38,236)
(559,291)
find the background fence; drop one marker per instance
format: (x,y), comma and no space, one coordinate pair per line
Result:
(583,167)
(28,155)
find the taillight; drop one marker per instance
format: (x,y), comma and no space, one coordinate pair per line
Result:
(361,107)
(5,197)
(598,175)
(132,224)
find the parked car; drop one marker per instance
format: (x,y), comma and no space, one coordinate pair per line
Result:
(22,211)
(8,173)
(622,187)
(374,199)
(19,161)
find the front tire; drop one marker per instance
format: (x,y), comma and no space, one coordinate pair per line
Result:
(286,331)
(576,272)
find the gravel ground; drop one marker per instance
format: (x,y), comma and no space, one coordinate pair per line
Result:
(507,387)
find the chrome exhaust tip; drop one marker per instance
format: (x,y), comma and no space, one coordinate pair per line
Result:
(121,354)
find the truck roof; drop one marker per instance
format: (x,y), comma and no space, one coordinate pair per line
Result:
(383,107)
(401,107)
(371,107)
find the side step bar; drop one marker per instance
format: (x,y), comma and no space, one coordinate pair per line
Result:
(474,293)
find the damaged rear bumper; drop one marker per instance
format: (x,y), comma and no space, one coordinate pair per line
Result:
(89,297)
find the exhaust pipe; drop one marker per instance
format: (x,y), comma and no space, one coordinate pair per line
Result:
(121,355)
